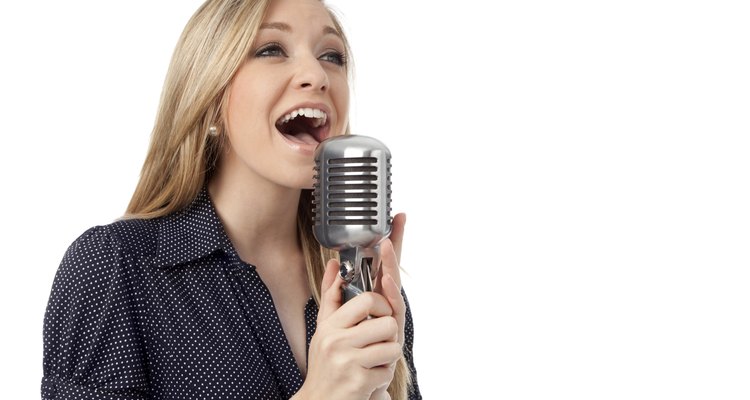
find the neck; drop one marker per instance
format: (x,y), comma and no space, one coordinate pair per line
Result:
(259,216)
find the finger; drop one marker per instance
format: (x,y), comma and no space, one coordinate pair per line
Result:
(330,291)
(381,393)
(388,284)
(381,377)
(374,330)
(389,261)
(383,354)
(392,292)
(359,308)
(397,234)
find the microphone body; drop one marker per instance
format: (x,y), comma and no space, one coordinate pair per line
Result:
(352,205)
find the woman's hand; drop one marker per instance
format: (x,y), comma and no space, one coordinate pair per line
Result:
(388,281)
(388,284)
(350,355)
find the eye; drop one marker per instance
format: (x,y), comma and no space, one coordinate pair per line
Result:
(270,50)
(335,57)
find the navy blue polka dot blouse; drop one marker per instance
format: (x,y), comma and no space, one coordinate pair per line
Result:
(165,309)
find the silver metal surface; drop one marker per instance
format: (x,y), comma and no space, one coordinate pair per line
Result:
(352,192)
(359,276)
(347,271)
(352,204)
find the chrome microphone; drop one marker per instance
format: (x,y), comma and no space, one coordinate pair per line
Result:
(352,205)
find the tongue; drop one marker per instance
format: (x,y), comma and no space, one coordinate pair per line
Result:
(303,137)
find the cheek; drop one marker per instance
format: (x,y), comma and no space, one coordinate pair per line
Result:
(234,107)
(245,108)
(340,86)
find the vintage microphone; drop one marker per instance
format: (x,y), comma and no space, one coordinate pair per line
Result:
(352,205)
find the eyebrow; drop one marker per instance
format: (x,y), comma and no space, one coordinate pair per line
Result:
(276,25)
(327,30)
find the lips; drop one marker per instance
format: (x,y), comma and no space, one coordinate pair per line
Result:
(307,125)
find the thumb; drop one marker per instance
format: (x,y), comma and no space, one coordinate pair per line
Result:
(397,234)
(330,290)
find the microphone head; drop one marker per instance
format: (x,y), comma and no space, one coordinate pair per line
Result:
(352,192)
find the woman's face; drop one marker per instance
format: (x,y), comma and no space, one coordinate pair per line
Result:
(291,93)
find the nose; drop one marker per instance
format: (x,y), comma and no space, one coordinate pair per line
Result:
(311,75)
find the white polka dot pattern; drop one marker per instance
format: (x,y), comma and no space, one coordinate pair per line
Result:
(165,309)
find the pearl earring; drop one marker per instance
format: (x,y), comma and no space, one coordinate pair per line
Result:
(213,131)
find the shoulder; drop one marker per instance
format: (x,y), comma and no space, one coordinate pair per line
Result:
(104,252)
(97,305)
(120,238)
(102,273)
(134,236)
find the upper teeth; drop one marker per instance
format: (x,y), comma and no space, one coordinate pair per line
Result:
(320,116)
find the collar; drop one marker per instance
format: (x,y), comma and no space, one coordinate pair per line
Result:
(192,233)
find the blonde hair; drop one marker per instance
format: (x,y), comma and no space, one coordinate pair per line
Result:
(182,154)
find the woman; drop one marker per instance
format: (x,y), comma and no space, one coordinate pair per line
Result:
(213,285)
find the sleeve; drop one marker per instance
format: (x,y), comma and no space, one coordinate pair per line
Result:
(93,342)
(414,393)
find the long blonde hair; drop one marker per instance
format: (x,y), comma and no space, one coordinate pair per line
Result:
(182,154)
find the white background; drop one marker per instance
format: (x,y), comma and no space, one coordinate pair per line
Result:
(576,178)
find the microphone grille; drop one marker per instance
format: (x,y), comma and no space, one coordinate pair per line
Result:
(352,189)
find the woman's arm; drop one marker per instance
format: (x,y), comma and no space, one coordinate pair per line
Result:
(93,342)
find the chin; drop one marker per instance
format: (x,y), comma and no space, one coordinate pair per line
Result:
(299,181)
(307,184)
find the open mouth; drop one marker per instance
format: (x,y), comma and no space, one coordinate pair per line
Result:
(304,125)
